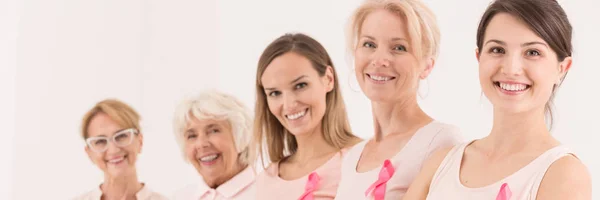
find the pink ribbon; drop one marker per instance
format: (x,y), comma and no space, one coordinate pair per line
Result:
(311,185)
(378,188)
(504,193)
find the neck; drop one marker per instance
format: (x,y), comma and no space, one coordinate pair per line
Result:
(311,145)
(518,130)
(397,117)
(236,169)
(121,186)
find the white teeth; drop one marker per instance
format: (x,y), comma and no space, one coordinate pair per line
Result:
(208,158)
(113,161)
(296,115)
(513,87)
(380,78)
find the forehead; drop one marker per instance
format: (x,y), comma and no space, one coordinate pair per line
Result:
(510,29)
(286,68)
(102,125)
(384,24)
(195,123)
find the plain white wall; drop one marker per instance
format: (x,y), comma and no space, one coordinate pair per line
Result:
(71,54)
(9,12)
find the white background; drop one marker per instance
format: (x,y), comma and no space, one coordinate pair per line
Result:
(59,57)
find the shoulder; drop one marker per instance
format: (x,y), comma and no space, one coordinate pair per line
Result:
(419,188)
(566,178)
(445,129)
(268,172)
(186,192)
(445,136)
(436,158)
(89,195)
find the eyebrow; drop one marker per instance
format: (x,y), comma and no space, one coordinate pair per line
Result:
(212,126)
(102,135)
(393,39)
(292,82)
(522,45)
(188,131)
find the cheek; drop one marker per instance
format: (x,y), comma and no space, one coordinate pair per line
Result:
(274,106)
(98,158)
(487,68)
(224,143)
(360,61)
(190,152)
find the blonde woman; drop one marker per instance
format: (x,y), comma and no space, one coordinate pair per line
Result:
(300,121)
(111,131)
(213,130)
(394,44)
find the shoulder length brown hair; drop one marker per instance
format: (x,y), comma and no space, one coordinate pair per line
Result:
(269,134)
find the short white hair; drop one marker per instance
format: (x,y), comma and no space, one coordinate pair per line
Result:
(215,105)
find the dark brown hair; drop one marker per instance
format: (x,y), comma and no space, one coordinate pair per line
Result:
(268,130)
(546,18)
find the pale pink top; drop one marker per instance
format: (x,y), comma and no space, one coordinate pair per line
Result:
(144,194)
(523,184)
(271,186)
(240,187)
(407,163)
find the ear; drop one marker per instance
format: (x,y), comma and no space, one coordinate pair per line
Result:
(141,141)
(329,78)
(89,153)
(477,53)
(428,67)
(563,68)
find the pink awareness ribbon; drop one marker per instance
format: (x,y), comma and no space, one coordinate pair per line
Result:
(311,185)
(378,188)
(504,193)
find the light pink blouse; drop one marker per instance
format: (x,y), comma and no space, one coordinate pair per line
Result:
(521,185)
(321,184)
(144,194)
(240,187)
(391,180)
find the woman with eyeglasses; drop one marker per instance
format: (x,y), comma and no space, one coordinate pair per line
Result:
(111,130)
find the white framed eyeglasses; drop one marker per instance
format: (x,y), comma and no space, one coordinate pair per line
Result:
(122,138)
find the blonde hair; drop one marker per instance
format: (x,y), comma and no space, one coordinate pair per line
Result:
(268,131)
(217,106)
(123,114)
(421,24)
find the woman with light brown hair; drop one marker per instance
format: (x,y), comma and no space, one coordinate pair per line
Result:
(395,45)
(300,121)
(113,137)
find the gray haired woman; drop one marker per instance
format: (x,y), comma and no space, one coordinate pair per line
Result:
(213,130)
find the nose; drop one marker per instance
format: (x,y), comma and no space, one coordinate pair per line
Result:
(512,65)
(112,148)
(289,101)
(381,58)
(202,141)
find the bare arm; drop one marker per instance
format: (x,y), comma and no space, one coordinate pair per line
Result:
(567,178)
(419,188)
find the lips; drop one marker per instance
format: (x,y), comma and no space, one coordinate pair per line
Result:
(209,158)
(512,88)
(116,160)
(380,78)
(297,115)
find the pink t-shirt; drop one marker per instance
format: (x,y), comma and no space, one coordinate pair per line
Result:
(323,186)
(406,164)
(240,187)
